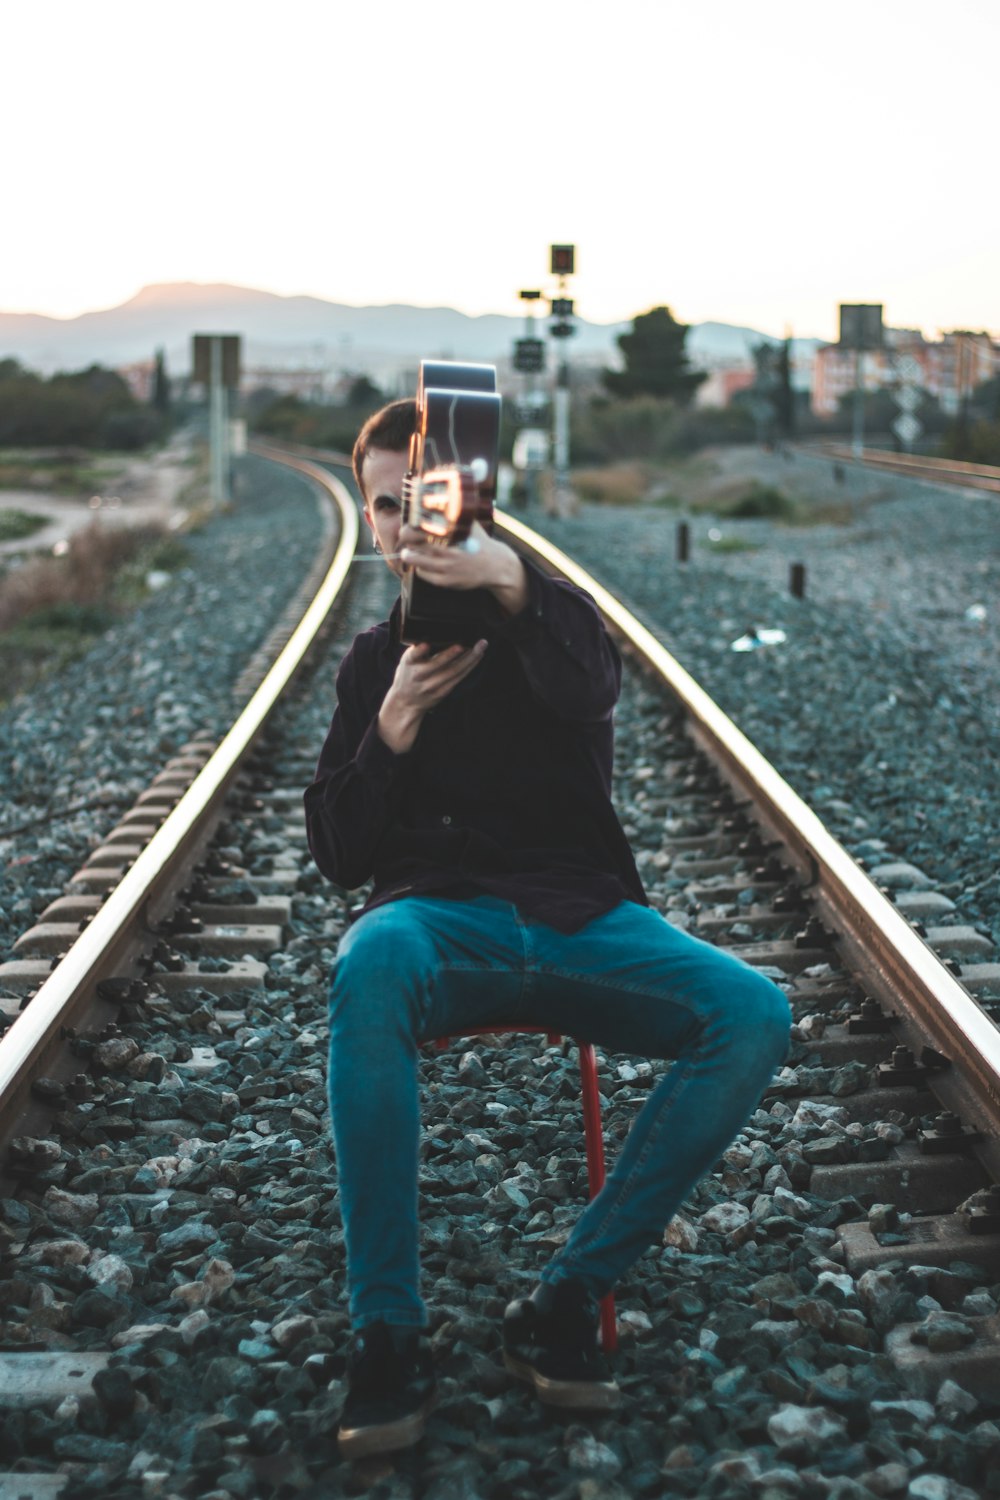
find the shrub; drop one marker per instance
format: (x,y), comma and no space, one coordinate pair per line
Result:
(82,577)
(15,525)
(726,544)
(77,619)
(975,444)
(764,502)
(615,484)
(651,428)
(53,608)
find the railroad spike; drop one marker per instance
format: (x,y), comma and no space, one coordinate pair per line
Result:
(165,957)
(869,1020)
(934,1062)
(946,1133)
(792,899)
(982,1210)
(814,935)
(902,1068)
(121,991)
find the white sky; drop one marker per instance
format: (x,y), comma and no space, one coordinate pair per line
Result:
(752,161)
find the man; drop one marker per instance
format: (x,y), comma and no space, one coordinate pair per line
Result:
(473,787)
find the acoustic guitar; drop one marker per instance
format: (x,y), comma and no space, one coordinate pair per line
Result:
(450,484)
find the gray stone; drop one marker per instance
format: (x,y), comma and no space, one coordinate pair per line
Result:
(226,1376)
(810,1425)
(585,1452)
(724,1218)
(944,1331)
(74,1209)
(192,1235)
(887,1479)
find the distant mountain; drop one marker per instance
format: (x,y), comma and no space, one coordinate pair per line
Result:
(290,332)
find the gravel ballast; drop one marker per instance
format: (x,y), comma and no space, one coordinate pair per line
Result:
(885,696)
(99,730)
(185,1219)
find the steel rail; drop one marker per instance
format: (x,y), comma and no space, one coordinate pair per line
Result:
(110,940)
(915,465)
(878,941)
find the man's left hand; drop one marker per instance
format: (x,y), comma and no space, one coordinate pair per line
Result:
(485,564)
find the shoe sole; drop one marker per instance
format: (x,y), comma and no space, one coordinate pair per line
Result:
(387,1437)
(571,1395)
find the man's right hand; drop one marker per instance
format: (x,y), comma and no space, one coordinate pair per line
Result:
(421,682)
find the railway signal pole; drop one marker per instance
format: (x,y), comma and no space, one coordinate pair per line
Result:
(562,264)
(529,360)
(216,365)
(860,330)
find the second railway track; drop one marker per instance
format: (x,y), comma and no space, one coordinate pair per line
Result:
(823,1307)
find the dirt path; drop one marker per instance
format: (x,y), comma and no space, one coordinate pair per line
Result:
(145,492)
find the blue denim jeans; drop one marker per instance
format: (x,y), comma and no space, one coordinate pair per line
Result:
(630,982)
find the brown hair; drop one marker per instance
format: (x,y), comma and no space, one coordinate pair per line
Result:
(389,429)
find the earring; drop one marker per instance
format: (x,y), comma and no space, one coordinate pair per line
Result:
(375,546)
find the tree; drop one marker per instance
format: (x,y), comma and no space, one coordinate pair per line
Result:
(90,408)
(656,363)
(161,385)
(364,393)
(784,395)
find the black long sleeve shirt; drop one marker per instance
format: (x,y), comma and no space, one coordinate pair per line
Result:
(507,790)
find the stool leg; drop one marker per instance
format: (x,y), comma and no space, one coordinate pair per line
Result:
(595,1170)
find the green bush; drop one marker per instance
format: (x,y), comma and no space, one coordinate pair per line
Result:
(613,484)
(15,525)
(975,444)
(86,408)
(726,544)
(652,429)
(67,616)
(46,641)
(293,420)
(53,608)
(763,502)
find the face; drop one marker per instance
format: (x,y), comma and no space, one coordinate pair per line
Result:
(382,475)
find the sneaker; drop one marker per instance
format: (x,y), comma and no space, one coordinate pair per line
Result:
(550,1340)
(391,1389)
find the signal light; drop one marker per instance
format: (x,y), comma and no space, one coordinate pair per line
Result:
(562,258)
(529,355)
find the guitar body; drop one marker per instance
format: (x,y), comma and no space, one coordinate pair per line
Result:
(449,485)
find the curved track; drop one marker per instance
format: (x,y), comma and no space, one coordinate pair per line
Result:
(917,466)
(750,866)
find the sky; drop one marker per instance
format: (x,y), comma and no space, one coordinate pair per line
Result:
(754,163)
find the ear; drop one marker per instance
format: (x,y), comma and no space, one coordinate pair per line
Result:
(368,520)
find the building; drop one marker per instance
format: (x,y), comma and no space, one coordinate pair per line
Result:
(723,384)
(140,378)
(308,383)
(949,368)
(959,363)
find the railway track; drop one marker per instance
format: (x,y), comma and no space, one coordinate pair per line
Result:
(170,1235)
(917,466)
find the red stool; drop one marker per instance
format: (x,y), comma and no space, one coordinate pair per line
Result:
(591,1134)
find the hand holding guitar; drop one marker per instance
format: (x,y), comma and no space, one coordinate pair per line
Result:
(421,682)
(482,562)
